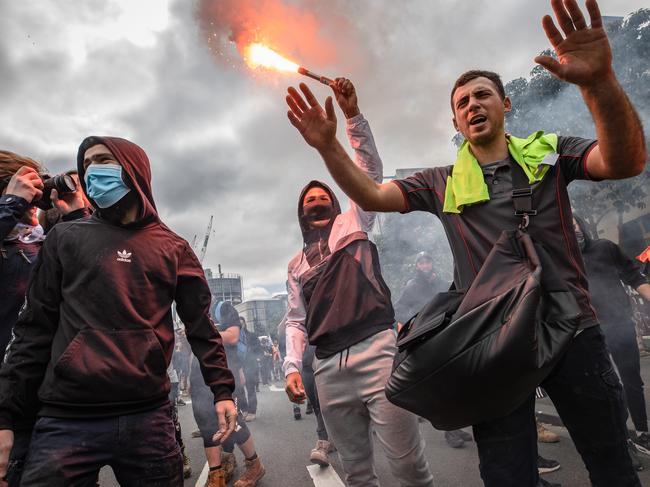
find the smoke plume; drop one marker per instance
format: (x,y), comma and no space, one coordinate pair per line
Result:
(303,31)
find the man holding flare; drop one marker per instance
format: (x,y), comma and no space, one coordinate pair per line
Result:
(476,208)
(339,302)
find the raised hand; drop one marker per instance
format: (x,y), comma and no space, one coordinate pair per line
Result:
(346,96)
(317,126)
(584,54)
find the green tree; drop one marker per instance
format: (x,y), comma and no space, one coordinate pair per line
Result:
(543,102)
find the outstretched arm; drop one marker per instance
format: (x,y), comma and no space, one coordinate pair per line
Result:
(318,128)
(585,59)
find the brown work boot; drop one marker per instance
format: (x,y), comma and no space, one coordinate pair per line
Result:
(546,436)
(254,472)
(229,464)
(216,478)
(319,453)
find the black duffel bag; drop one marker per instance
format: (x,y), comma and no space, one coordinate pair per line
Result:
(469,357)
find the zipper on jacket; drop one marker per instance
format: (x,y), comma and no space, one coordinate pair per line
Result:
(320,241)
(21,252)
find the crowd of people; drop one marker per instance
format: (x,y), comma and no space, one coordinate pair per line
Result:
(95,362)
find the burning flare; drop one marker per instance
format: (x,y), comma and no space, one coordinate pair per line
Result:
(260,55)
(257,54)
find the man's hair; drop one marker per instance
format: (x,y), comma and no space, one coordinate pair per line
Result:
(468,76)
(10,163)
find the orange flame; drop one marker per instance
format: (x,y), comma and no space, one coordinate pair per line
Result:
(259,55)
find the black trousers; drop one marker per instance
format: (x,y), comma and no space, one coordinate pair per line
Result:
(589,398)
(621,340)
(206,416)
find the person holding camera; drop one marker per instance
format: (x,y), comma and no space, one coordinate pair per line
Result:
(49,217)
(22,188)
(23,191)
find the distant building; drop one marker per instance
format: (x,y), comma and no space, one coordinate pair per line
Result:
(263,315)
(612,20)
(225,287)
(282,297)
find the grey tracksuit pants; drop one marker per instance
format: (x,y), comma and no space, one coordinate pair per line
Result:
(351,393)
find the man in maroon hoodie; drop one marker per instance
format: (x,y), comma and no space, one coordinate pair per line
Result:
(95,337)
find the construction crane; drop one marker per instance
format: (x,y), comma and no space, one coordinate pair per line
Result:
(205,240)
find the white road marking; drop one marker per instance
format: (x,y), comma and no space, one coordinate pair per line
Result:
(324,477)
(200,482)
(276,389)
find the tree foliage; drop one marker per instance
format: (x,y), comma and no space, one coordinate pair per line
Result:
(543,102)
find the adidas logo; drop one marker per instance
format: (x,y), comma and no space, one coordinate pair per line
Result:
(123,256)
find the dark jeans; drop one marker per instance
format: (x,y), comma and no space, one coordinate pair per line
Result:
(589,398)
(310,389)
(266,368)
(621,340)
(206,416)
(140,448)
(251,374)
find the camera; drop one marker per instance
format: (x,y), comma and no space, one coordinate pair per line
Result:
(63,183)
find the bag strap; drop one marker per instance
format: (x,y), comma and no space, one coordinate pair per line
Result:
(522,195)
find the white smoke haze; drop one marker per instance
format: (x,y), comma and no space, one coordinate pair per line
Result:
(217,133)
(252,293)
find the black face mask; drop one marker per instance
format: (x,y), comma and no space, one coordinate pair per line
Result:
(117,212)
(317,211)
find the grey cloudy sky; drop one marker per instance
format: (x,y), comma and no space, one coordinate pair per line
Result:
(215,132)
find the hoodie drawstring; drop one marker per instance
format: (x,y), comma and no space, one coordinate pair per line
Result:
(347,356)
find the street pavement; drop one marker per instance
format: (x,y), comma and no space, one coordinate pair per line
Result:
(284,444)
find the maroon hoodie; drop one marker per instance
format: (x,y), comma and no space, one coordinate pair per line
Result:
(96,335)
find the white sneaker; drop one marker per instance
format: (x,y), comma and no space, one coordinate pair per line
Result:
(319,453)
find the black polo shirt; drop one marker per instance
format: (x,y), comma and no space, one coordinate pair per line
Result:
(473,232)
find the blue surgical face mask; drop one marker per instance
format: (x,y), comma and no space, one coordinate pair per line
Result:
(104,184)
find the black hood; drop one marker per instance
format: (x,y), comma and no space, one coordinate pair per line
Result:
(310,234)
(227,315)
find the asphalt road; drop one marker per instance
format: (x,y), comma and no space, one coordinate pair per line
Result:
(284,445)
